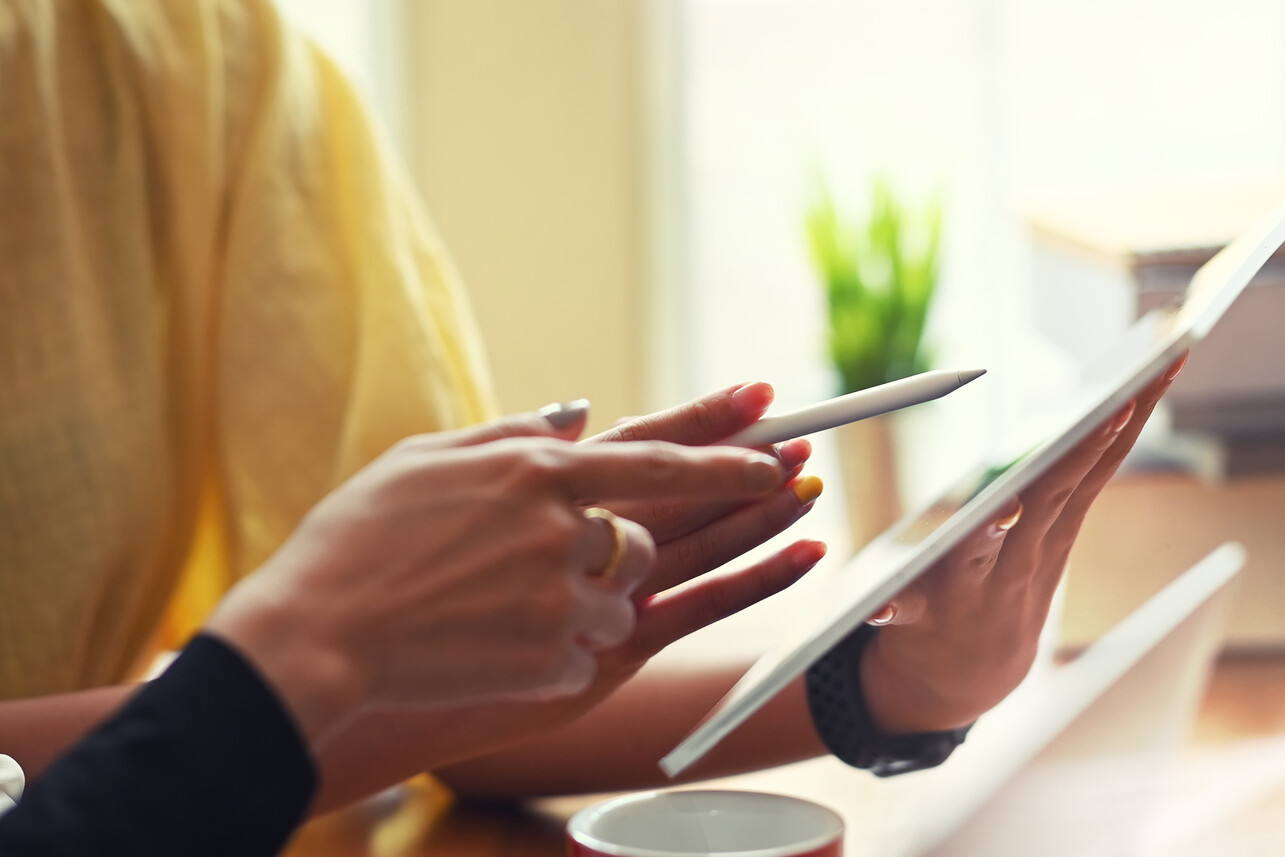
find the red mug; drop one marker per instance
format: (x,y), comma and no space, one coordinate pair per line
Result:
(705,824)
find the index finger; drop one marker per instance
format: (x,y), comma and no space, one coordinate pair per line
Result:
(703,421)
(1096,480)
(648,470)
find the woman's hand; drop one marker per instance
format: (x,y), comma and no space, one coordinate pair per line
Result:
(692,533)
(963,636)
(461,567)
(697,535)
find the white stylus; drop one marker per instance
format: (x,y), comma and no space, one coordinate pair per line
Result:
(860,405)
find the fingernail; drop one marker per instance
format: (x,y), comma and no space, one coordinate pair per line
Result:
(764,473)
(565,414)
(794,452)
(884,616)
(1176,368)
(808,554)
(1006,523)
(754,397)
(1122,419)
(807,488)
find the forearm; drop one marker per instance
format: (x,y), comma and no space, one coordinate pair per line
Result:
(613,747)
(36,731)
(167,774)
(617,745)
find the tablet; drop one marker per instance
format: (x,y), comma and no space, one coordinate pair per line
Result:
(907,549)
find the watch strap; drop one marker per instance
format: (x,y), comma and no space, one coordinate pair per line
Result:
(843,722)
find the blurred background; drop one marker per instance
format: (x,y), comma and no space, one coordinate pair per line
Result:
(625,185)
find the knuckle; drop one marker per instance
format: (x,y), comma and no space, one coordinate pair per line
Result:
(531,464)
(623,627)
(560,604)
(692,553)
(664,463)
(719,602)
(642,553)
(982,563)
(705,418)
(557,663)
(760,586)
(556,533)
(776,516)
(662,516)
(1058,499)
(632,431)
(549,611)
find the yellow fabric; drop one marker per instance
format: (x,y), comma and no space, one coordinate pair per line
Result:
(217,300)
(397,825)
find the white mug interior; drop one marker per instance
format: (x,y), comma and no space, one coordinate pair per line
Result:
(705,823)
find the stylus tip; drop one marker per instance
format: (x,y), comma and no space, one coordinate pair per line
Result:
(967,375)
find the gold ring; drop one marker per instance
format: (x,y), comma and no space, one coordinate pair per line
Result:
(618,547)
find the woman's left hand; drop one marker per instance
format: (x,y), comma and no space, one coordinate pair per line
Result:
(964,635)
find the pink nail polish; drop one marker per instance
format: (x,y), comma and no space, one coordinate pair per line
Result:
(757,394)
(1122,419)
(884,616)
(1006,523)
(794,452)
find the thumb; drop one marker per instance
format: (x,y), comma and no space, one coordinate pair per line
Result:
(565,421)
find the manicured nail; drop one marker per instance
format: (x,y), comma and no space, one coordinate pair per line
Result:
(754,397)
(807,488)
(1176,368)
(884,616)
(1006,523)
(764,472)
(808,554)
(565,414)
(1122,419)
(794,452)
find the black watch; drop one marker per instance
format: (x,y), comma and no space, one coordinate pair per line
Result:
(841,719)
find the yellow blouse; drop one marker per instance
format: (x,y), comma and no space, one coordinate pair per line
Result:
(218,299)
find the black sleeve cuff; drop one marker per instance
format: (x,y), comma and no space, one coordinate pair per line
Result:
(839,713)
(203,760)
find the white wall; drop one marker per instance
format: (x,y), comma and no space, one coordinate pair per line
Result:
(580,153)
(1006,104)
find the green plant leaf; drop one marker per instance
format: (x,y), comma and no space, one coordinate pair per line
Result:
(879,276)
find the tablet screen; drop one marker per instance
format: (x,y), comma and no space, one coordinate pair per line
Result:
(883,567)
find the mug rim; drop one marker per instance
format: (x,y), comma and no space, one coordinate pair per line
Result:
(577,833)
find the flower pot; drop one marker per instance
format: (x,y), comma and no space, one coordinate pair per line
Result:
(868,469)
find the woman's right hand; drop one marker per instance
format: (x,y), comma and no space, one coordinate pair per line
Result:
(460,567)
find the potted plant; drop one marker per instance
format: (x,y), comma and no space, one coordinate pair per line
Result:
(879,273)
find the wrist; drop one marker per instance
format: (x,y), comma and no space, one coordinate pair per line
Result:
(902,699)
(910,694)
(316,683)
(840,712)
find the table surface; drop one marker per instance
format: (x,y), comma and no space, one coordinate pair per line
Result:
(1237,747)
(400,824)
